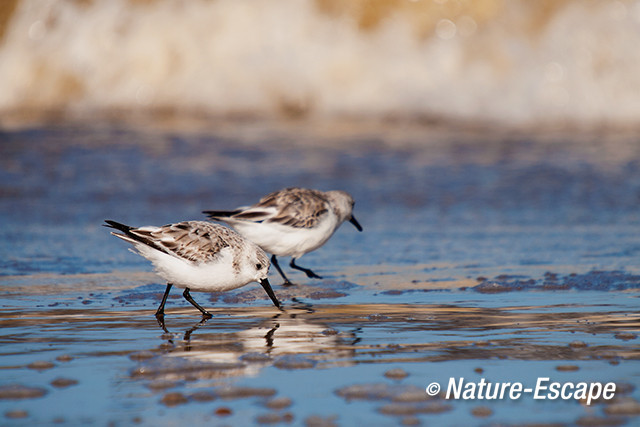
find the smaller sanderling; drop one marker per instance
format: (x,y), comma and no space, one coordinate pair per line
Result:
(199,256)
(291,222)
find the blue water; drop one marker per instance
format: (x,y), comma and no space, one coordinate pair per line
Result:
(492,255)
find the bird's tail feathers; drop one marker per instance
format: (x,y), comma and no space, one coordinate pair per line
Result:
(116,225)
(221,214)
(134,235)
(128,235)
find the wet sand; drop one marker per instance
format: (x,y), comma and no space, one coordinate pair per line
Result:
(96,352)
(483,256)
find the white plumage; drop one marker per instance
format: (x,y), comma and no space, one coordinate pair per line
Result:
(199,256)
(291,222)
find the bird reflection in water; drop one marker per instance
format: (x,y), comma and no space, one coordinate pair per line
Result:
(288,339)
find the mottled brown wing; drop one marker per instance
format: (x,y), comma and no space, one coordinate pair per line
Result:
(195,241)
(296,207)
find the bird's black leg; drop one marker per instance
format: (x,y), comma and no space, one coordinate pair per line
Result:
(160,311)
(187,334)
(187,296)
(274,261)
(308,272)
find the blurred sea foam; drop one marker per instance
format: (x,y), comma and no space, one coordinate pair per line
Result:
(515,62)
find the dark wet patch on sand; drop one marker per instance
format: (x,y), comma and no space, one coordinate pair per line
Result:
(174,399)
(237,392)
(16,414)
(567,368)
(591,281)
(595,421)
(275,418)
(625,406)
(18,392)
(63,382)
(625,336)
(481,411)
(396,374)
(403,400)
(227,392)
(40,365)
(294,361)
(414,408)
(223,411)
(382,391)
(278,403)
(321,421)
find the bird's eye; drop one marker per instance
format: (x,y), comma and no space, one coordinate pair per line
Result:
(258,266)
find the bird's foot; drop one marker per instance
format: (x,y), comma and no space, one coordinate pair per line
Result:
(160,320)
(312,275)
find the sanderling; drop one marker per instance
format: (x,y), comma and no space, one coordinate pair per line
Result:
(199,256)
(291,222)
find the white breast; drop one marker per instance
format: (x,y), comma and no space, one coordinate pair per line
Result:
(220,275)
(283,240)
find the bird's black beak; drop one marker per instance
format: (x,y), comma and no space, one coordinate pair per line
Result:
(355,223)
(267,287)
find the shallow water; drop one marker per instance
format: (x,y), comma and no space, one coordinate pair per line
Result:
(484,255)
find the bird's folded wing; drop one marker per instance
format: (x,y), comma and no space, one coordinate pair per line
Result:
(195,241)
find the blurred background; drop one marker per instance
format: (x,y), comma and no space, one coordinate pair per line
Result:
(512,63)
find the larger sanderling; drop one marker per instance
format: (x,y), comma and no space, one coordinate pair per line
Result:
(199,256)
(291,222)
